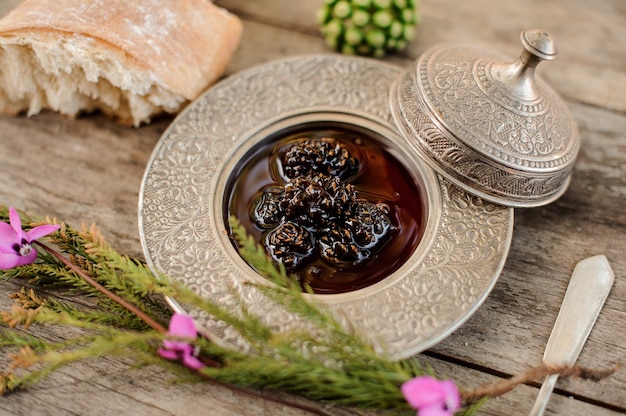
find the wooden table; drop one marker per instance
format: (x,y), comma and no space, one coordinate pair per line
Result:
(90,169)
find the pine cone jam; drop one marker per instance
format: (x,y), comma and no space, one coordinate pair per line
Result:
(336,207)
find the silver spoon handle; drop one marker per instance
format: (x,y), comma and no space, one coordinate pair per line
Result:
(588,288)
(544,395)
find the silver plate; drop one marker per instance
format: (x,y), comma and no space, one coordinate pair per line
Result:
(181,205)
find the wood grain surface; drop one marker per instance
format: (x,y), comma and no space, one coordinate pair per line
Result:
(90,169)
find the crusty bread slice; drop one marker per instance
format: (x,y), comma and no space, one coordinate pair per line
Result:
(130,59)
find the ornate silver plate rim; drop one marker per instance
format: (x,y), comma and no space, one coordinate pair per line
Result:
(181,206)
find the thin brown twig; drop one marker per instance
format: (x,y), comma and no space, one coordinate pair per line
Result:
(122,302)
(132,308)
(504,386)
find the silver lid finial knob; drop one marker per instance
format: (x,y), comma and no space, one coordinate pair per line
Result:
(538,46)
(518,76)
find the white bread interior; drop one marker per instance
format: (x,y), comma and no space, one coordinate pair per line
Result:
(129,59)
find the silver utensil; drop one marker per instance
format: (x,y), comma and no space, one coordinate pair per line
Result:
(588,288)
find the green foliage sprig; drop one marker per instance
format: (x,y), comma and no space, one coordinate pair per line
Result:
(291,362)
(128,316)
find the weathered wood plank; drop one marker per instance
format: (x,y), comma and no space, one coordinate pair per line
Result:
(85,170)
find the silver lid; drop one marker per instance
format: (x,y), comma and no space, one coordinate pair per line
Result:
(489,124)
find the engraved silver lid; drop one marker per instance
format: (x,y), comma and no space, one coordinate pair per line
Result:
(488,124)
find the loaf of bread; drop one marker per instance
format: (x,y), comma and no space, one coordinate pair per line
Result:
(129,59)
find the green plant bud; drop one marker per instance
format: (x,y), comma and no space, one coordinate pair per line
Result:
(375,38)
(353,36)
(396,29)
(333,29)
(409,15)
(368,27)
(322,15)
(360,17)
(342,10)
(382,18)
(409,32)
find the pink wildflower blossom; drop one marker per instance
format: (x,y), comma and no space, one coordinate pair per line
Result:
(432,397)
(181,326)
(16,245)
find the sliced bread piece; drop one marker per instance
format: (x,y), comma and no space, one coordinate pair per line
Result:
(129,59)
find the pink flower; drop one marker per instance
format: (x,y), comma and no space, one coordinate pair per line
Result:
(16,247)
(432,397)
(181,326)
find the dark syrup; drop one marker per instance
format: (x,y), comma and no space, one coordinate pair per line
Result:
(381,179)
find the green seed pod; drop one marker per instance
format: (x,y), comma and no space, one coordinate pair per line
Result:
(342,9)
(360,17)
(375,38)
(368,27)
(353,36)
(382,18)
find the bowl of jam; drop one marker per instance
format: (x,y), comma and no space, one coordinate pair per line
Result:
(333,204)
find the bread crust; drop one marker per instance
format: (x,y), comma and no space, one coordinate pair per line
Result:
(180,46)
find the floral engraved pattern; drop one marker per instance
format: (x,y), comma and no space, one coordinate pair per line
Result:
(459,87)
(467,167)
(183,237)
